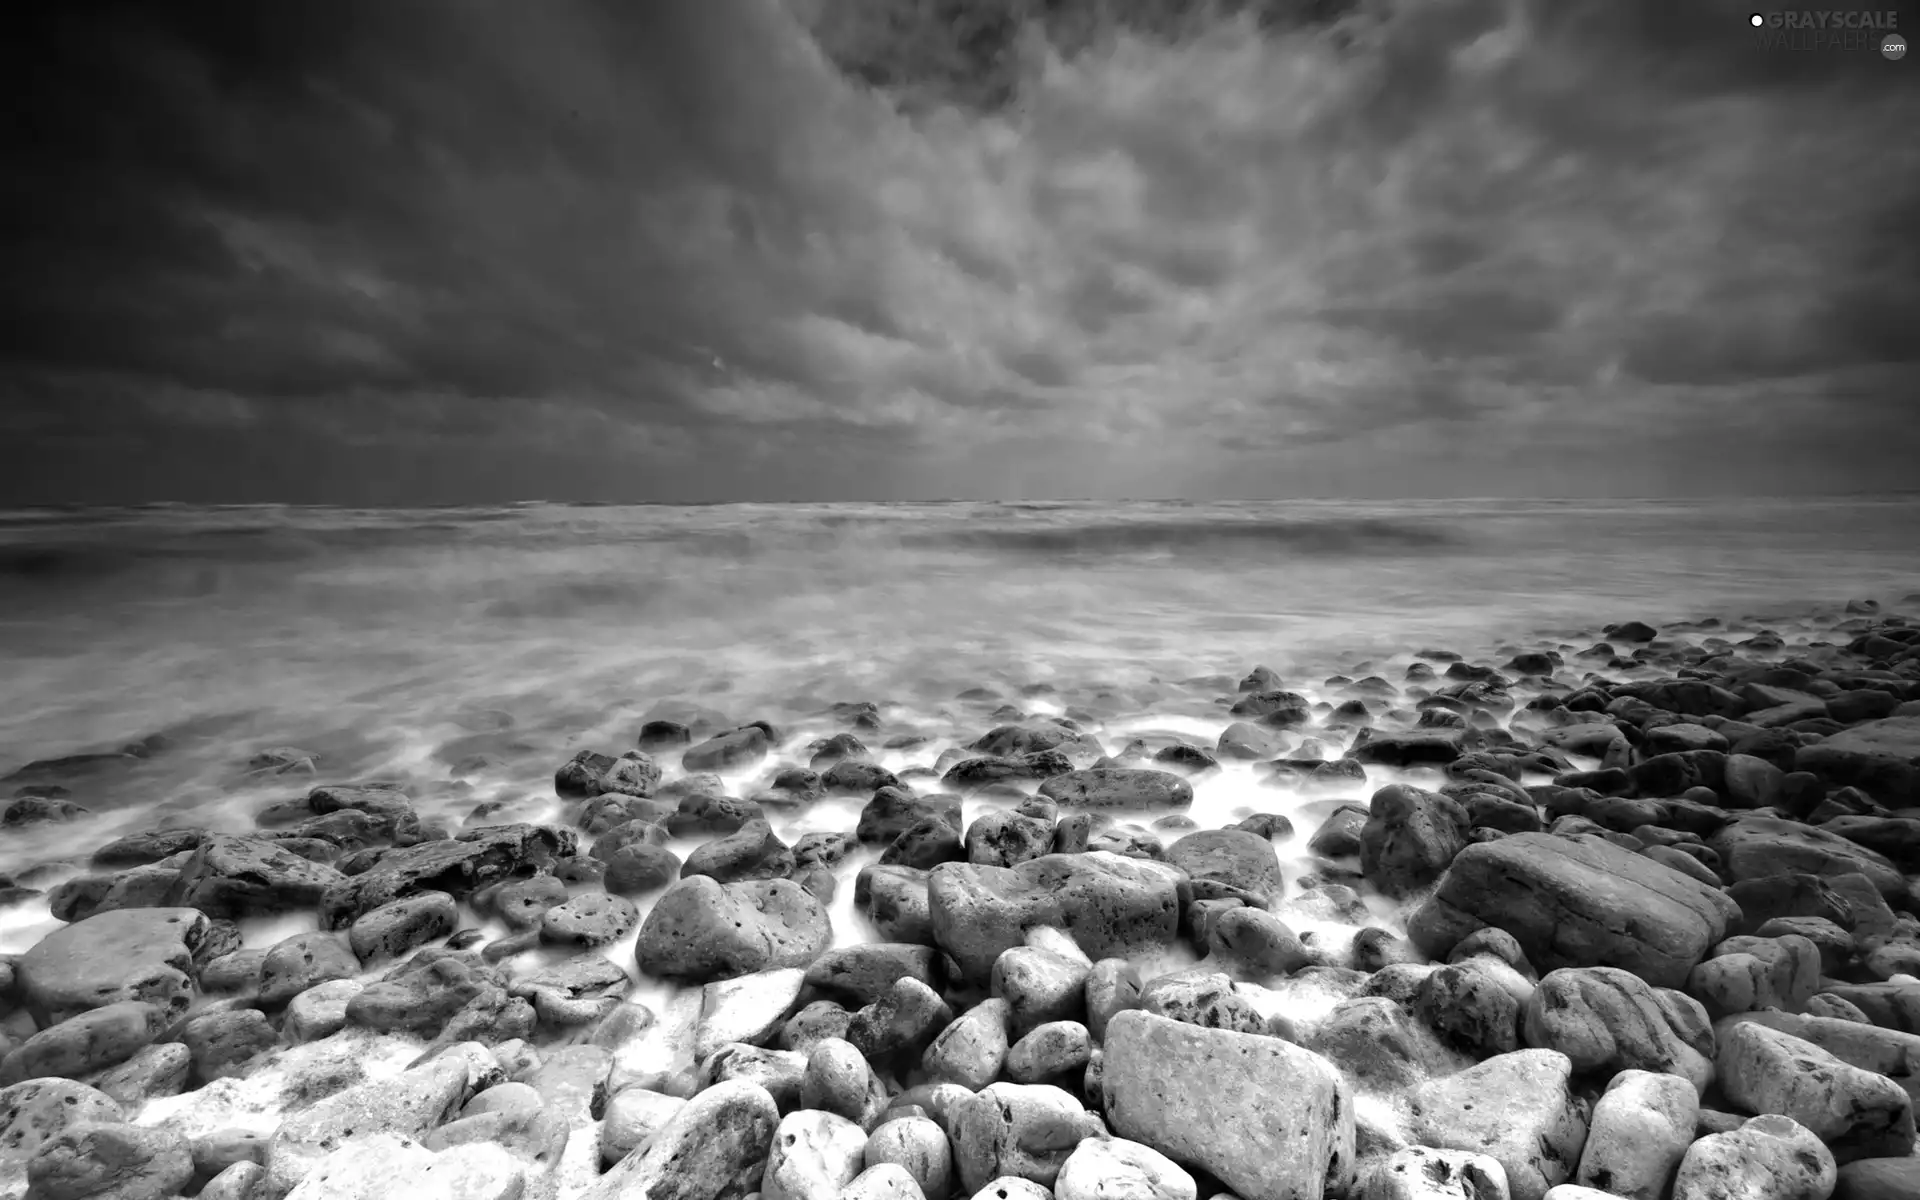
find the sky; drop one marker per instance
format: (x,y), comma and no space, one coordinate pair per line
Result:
(422,252)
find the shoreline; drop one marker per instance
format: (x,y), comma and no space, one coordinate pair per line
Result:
(830,841)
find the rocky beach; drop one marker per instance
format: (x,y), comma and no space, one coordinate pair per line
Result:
(1153,851)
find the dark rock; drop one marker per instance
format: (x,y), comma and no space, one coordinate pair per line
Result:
(1576,902)
(709,812)
(1110,905)
(853,777)
(1409,838)
(1005,839)
(900,1022)
(1225,863)
(750,852)
(139,849)
(925,844)
(664,735)
(1119,788)
(736,747)
(974,773)
(590,773)
(1405,749)
(702,930)
(1607,1020)
(305,960)
(249,876)
(1757,846)
(459,866)
(894,810)
(895,900)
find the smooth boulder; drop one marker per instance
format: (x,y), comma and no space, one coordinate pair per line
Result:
(1578,901)
(1267,1118)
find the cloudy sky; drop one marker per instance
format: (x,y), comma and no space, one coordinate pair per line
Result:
(402,251)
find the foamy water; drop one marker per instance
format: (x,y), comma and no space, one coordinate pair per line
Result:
(400,645)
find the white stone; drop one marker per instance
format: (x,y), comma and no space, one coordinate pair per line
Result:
(1768,1158)
(1641,1128)
(888,1181)
(1515,1107)
(1424,1173)
(815,1155)
(747,1009)
(1117,1169)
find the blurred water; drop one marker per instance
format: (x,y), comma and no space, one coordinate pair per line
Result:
(376,638)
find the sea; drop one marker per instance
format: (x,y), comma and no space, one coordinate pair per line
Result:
(469,652)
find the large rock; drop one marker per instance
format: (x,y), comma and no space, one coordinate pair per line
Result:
(1110,905)
(725,751)
(1607,1020)
(1879,1179)
(34,1111)
(713,1149)
(91,1041)
(471,861)
(814,1156)
(1105,1168)
(1768,1158)
(591,773)
(249,876)
(1120,787)
(1756,847)
(144,954)
(1881,758)
(1577,902)
(1410,749)
(1026,1130)
(1516,1108)
(1410,837)
(110,1161)
(1858,1114)
(1229,864)
(1749,973)
(1268,1119)
(702,930)
(1641,1128)
(1890,1052)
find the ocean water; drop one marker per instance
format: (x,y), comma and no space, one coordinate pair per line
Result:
(469,652)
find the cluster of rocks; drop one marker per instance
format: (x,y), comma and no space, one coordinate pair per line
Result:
(1663,940)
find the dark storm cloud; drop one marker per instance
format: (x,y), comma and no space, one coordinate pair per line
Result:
(374,250)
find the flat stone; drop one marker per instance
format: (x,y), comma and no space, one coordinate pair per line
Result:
(1577,901)
(144,954)
(249,876)
(1856,1113)
(1267,1118)
(1120,788)
(1110,905)
(1755,847)
(749,1008)
(457,867)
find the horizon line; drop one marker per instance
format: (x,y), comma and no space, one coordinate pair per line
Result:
(85,505)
